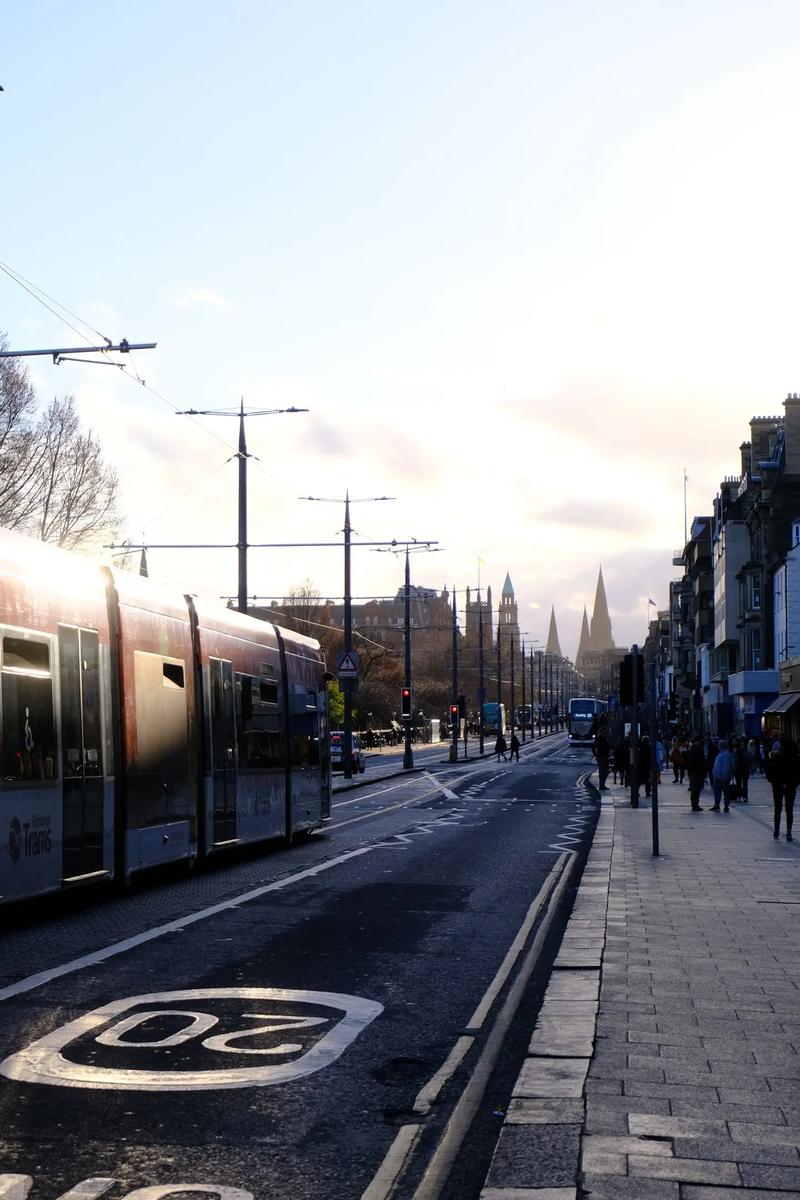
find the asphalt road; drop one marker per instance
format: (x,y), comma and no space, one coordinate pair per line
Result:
(296,1025)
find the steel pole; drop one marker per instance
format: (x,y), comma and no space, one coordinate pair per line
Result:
(481,689)
(408,753)
(454,744)
(499,689)
(653,754)
(347,751)
(635,727)
(242,542)
(523,693)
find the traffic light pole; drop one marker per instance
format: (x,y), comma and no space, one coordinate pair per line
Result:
(511,661)
(635,727)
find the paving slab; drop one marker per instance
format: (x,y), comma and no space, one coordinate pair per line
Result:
(692,1090)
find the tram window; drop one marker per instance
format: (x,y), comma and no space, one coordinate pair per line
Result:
(172,675)
(23,655)
(305,750)
(258,724)
(28,725)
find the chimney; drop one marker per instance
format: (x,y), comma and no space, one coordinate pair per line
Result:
(760,430)
(744,450)
(792,434)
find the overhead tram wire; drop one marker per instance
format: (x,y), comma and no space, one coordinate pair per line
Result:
(37,293)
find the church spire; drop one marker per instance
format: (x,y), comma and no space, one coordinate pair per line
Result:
(584,642)
(553,645)
(601,638)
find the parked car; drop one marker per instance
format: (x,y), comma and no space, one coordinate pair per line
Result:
(359,762)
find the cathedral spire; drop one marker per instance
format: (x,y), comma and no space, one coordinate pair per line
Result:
(553,645)
(601,638)
(584,642)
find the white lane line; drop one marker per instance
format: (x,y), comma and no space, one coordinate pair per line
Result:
(393,1163)
(365,795)
(444,790)
(180,923)
(427,1094)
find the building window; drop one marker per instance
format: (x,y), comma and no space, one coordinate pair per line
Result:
(755,592)
(755,644)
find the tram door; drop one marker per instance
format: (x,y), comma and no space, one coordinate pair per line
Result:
(223,749)
(81,749)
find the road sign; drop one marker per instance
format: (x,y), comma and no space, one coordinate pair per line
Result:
(347,664)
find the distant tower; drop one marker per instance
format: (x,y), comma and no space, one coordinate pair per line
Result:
(553,646)
(601,638)
(584,644)
(474,607)
(508,616)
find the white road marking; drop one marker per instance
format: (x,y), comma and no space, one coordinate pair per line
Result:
(43,1062)
(179,924)
(15,1187)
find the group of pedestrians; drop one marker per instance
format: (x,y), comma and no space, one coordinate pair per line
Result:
(726,764)
(500,748)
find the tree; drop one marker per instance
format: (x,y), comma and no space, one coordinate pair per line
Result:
(335,705)
(54,483)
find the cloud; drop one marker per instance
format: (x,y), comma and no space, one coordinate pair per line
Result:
(205,297)
(597,515)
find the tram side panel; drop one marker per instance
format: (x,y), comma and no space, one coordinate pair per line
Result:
(310,785)
(159,730)
(56,762)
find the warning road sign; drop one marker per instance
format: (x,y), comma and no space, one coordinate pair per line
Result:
(347,664)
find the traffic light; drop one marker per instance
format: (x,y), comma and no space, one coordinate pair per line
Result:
(626,679)
(454,715)
(462,707)
(405,703)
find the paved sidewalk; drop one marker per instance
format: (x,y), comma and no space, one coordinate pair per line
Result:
(691,1087)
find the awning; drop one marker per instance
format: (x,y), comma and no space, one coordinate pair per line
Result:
(783,703)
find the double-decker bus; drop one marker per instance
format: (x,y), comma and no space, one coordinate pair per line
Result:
(494,717)
(585,713)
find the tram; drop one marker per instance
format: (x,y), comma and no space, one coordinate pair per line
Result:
(141,728)
(585,713)
(494,717)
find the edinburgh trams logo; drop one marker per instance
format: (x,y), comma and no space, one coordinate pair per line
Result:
(29,838)
(196,1040)
(15,839)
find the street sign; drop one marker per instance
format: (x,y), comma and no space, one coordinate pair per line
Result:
(347,664)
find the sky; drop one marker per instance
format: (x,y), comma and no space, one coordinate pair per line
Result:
(524,264)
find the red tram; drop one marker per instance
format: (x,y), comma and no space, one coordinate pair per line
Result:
(140,728)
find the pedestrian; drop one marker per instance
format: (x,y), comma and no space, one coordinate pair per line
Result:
(514,747)
(622,760)
(752,756)
(500,747)
(711,754)
(661,757)
(696,770)
(783,774)
(643,766)
(602,752)
(678,753)
(741,770)
(722,776)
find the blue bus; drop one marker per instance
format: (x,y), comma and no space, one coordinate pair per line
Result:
(494,717)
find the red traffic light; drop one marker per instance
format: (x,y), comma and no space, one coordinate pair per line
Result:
(454,712)
(405,703)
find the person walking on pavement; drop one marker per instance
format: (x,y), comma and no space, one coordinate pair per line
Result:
(602,752)
(500,747)
(696,770)
(643,765)
(741,770)
(721,776)
(622,761)
(513,747)
(711,754)
(783,774)
(678,755)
